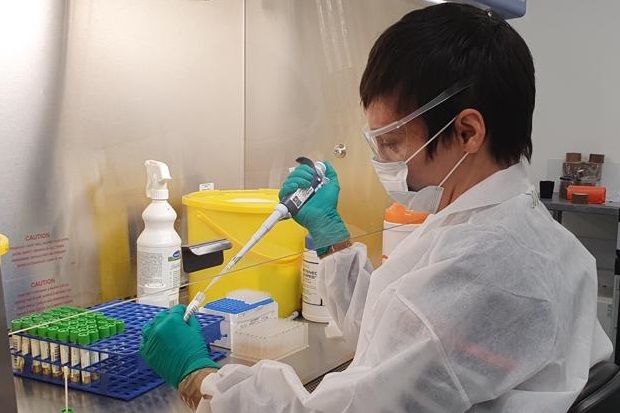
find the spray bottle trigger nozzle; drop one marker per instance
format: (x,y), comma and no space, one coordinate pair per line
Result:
(157,177)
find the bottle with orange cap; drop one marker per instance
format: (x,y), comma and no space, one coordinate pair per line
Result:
(399,222)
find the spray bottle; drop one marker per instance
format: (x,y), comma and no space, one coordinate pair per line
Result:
(159,245)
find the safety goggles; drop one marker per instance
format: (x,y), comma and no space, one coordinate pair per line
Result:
(387,141)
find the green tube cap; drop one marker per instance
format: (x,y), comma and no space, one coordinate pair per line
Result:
(26,323)
(16,325)
(73,336)
(104,331)
(94,336)
(83,339)
(63,335)
(112,326)
(120,326)
(52,333)
(69,410)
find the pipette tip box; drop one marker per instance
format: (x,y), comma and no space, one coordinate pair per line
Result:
(239,312)
(271,339)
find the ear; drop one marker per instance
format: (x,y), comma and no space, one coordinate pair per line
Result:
(470,130)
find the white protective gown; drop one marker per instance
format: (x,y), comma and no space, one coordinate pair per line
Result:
(490,306)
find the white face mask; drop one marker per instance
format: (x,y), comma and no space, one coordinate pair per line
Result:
(393,176)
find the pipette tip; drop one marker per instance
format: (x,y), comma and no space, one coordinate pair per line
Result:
(65,371)
(194,305)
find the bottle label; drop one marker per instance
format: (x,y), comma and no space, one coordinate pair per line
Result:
(45,354)
(55,358)
(36,352)
(17,346)
(310,270)
(25,345)
(159,265)
(75,362)
(64,354)
(301,195)
(85,363)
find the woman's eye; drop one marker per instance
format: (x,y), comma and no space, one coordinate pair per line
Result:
(390,146)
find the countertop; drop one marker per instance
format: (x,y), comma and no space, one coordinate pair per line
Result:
(322,355)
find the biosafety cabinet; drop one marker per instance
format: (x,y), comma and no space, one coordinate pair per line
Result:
(228,93)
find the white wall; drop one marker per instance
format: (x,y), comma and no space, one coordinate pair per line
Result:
(576,49)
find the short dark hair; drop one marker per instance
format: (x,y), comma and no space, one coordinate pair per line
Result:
(431,49)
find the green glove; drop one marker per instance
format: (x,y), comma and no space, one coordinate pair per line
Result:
(319,215)
(174,348)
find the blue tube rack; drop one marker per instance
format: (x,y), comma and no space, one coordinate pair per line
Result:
(123,374)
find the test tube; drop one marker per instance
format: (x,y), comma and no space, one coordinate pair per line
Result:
(104,332)
(63,337)
(52,334)
(84,340)
(16,345)
(75,356)
(112,326)
(120,326)
(94,355)
(25,340)
(35,349)
(46,368)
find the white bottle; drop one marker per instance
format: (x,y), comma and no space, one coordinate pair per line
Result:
(159,245)
(312,306)
(398,224)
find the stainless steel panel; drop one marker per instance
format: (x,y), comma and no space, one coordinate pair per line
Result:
(7,388)
(226,91)
(304,60)
(90,90)
(32,68)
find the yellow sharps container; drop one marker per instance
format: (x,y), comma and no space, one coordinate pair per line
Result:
(4,246)
(273,265)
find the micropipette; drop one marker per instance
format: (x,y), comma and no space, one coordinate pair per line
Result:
(288,207)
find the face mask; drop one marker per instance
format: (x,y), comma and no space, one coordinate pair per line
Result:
(393,176)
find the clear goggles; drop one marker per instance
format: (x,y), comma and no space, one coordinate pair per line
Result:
(389,143)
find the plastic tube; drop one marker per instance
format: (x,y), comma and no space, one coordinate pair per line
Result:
(84,340)
(63,337)
(104,332)
(75,357)
(16,344)
(25,340)
(35,350)
(52,334)
(46,367)
(94,355)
